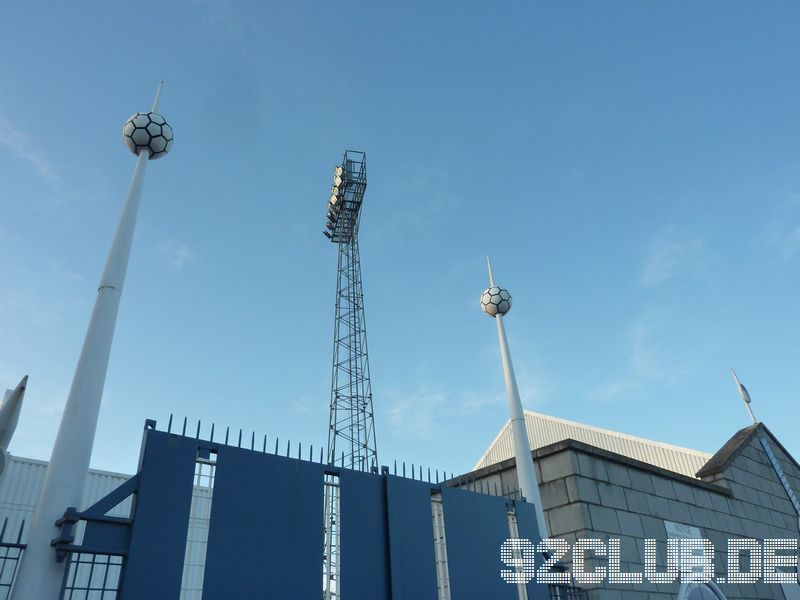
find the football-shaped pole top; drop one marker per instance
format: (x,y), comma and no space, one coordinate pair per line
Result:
(495,301)
(149,131)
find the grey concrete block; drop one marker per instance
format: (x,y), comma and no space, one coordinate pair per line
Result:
(641,481)
(611,495)
(637,501)
(702,498)
(557,466)
(582,489)
(679,512)
(659,507)
(630,523)
(653,527)
(663,487)
(683,492)
(603,519)
(568,518)
(618,474)
(629,554)
(720,521)
(738,507)
(719,503)
(553,493)
(593,467)
(701,517)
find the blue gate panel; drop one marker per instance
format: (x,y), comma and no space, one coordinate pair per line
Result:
(413,560)
(161,518)
(476,526)
(528,529)
(265,537)
(364,544)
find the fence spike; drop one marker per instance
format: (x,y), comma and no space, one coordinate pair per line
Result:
(413,474)
(404,468)
(212,432)
(299,450)
(395,467)
(342,459)
(227,432)
(184,426)
(437,475)
(320,455)
(240,438)
(264,447)
(429,474)
(19,535)
(311,453)
(169,425)
(197,435)
(288,447)
(276,447)
(253,441)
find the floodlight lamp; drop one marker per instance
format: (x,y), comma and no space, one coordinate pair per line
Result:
(338,181)
(339,171)
(330,225)
(327,234)
(334,199)
(335,191)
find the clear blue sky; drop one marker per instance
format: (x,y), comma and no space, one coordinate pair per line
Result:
(633,168)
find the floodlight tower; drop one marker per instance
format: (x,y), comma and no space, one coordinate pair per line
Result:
(40,576)
(496,302)
(351,430)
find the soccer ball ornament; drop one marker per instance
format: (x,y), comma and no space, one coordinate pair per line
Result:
(495,301)
(148,130)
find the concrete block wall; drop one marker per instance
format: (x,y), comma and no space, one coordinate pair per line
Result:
(590,493)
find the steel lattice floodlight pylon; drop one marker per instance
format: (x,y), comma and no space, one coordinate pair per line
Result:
(351,433)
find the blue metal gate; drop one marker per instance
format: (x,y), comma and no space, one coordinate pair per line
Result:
(265,530)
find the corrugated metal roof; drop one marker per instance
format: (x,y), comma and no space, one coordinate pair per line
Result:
(544,430)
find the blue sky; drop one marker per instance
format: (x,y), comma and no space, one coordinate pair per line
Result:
(633,168)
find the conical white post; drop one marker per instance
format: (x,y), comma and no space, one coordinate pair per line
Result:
(40,575)
(9,412)
(526,472)
(745,396)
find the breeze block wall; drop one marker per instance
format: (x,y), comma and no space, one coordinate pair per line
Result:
(588,492)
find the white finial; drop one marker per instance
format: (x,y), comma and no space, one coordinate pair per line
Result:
(9,412)
(158,96)
(491,275)
(744,394)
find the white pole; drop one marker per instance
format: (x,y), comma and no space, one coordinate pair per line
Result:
(40,575)
(526,472)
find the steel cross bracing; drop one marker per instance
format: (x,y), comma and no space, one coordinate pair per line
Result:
(351,429)
(351,432)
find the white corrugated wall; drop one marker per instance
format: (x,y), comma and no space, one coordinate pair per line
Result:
(20,486)
(21,483)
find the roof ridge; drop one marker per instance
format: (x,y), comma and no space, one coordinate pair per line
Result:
(620,434)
